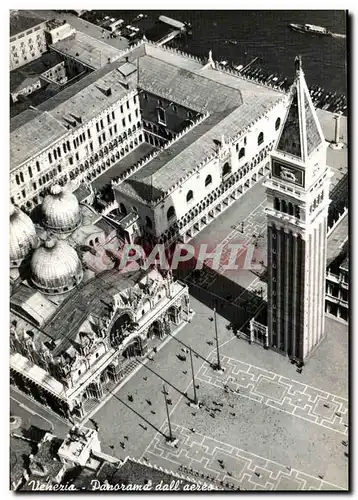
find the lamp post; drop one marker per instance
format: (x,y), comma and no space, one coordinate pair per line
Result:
(218,366)
(193,376)
(170,438)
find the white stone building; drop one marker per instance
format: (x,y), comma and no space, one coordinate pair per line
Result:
(217,129)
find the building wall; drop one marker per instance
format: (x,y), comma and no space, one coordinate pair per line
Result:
(215,168)
(73,156)
(337,293)
(27,46)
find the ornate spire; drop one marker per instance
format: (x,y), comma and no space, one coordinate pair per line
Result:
(301,132)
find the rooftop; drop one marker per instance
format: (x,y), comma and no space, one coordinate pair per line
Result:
(87,50)
(31,72)
(23,20)
(94,297)
(300,132)
(173,163)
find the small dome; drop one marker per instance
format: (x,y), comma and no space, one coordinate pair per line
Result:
(61,211)
(22,236)
(56,267)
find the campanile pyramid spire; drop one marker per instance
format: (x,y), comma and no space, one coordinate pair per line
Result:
(301,133)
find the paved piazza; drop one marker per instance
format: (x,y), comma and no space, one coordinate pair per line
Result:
(281,393)
(200,455)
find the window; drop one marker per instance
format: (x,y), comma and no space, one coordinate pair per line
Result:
(189,196)
(38,166)
(124,122)
(148,222)
(21,177)
(260,138)
(127,104)
(277,204)
(189,114)
(121,108)
(129,118)
(161,116)
(241,153)
(226,169)
(297,211)
(30,171)
(115,128)
(34,186)
(208,180)
(134,100)
(101,124)
(170,213)
(277,123)
(108,119)
(145,96)
(113,115)
(97,127)
(50,157)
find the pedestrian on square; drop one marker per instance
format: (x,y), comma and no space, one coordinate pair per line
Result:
(130,398)
(149,402)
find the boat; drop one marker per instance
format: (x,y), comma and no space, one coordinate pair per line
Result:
(310,28)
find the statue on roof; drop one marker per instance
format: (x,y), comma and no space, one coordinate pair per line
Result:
(298,63)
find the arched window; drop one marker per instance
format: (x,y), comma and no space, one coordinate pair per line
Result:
(260,138)
(208,180)
(290,209)
(241,153)
(123,208)
(171,213)
(277,204)
(161,116)
(277,123)
(284,206)
(148,222)
(226,169)
(189,196)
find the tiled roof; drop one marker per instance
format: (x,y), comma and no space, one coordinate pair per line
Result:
(87,49)
(92,297)
(36,305)
(185,87)
(300,132)
(33,137)
(23,20)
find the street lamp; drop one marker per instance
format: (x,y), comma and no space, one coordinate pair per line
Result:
(218,364)
(193,376)
(171,437)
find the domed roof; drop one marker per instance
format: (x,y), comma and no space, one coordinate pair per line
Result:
(56,267)
(22,236)
(61,211)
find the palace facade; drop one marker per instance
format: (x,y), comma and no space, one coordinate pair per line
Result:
(209,132)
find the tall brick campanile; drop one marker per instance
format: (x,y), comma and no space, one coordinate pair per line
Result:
(298,199)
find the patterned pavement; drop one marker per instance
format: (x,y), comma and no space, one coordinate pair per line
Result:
(201,455)
(283,394)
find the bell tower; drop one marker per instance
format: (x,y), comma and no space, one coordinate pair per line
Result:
(298,200)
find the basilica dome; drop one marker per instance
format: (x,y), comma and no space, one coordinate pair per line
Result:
(56,267)
(60,210)
(22,236)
